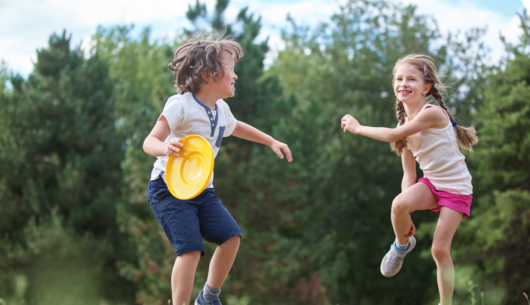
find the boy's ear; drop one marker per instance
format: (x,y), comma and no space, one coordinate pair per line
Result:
(206,76)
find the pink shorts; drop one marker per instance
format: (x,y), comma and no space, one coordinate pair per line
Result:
(457,202)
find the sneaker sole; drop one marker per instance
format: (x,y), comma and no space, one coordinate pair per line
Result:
(412,245)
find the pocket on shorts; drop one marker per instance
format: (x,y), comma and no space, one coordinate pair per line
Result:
(220,136)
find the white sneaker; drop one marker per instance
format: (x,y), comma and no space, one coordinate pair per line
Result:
(393,260)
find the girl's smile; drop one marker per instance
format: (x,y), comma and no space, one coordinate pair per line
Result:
(409,84)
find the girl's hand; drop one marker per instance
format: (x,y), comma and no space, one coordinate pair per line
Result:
(411,231)
(173,147)
(278,147)
(350,124)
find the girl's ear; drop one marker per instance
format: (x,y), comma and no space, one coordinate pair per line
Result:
(427,88)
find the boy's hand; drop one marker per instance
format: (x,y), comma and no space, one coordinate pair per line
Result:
(173,147)
(278,147)
(350,124)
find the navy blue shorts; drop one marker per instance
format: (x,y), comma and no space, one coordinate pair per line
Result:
(187,222)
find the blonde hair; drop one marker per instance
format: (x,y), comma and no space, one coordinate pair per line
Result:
(466,136)
(198,55)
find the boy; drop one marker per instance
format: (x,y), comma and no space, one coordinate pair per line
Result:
(204,73)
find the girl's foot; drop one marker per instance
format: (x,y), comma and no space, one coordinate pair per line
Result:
(393,260)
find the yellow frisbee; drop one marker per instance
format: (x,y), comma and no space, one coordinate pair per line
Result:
(188,175)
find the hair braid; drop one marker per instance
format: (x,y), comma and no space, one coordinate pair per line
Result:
(399,145)
(466,136)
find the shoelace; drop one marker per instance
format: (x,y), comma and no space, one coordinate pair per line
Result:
(393,259)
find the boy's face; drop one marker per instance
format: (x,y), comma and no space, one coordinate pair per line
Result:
(225,86)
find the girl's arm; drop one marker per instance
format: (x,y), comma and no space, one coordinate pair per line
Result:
(247,132)
(409,169)
(427,118)
(154,144)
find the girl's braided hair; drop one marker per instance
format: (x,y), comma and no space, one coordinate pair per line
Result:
(466,136)
(202,54)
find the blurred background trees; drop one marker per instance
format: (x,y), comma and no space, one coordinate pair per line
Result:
(76,226)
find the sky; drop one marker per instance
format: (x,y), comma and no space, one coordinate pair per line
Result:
(25,25)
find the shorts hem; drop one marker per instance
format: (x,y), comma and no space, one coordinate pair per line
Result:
(191,248)
(229,235)
(440,205)
(464,209)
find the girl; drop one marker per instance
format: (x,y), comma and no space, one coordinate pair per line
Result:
(430,134)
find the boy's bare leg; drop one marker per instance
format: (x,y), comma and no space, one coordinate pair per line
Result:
(441,251)
(183,275)
(222,262)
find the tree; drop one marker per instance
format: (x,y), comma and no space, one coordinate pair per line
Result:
(342,185)
(497,240)
(60,182)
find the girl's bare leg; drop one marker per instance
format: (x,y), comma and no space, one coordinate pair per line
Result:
(441,251)
(415,198)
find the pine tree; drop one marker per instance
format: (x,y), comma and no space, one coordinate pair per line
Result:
(60,182)
(497,239)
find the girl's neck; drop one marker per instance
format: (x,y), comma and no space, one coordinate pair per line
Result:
(412,109)
(208,100)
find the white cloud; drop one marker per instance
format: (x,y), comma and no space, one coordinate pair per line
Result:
(464,16)
(26,25)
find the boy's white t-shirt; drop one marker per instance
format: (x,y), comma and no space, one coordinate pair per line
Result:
(188,116)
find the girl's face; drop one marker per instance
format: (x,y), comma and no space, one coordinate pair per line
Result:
(409,84)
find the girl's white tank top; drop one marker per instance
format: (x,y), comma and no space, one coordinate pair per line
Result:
(437,152)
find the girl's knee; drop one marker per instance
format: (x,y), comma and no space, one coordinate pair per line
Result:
(440,253)
(399,206)
(232,242)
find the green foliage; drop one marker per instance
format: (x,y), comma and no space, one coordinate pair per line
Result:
(60,182)
(496,239)
(138,68)
(345,184)
(75,222)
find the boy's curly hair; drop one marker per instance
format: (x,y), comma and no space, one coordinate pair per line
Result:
(199,55)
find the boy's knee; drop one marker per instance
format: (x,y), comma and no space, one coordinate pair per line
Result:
(232,242)
(399,206)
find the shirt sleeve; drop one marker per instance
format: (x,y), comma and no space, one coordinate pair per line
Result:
(174,113)
(231,121)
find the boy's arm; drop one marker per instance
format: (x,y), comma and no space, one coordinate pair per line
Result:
(154,144)
(425,119)
(247,132)
(409,169)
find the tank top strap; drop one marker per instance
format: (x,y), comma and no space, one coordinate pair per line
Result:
(427,105)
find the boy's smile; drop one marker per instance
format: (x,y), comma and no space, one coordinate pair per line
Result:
(227,83)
